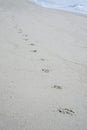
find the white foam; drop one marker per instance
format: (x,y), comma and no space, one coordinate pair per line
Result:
(79,6)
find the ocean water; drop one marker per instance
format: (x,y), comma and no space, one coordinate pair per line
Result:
(78,6)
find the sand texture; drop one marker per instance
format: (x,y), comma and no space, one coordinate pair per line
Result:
(43,68)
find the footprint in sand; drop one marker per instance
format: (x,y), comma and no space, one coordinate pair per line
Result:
(25,39)
(11,85)
(34,51)
(32,44)
(46,70)
(20,30)
(66,111)
(42,59)
(25,35)
(57,87)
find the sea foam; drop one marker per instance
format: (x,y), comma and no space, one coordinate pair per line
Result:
(79,6)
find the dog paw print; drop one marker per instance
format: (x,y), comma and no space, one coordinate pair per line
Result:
(25,35)
(26,39)
(32,44)
(66,111)
(20,31)
(46,70)
(34,51)
(42,59)
(57,87)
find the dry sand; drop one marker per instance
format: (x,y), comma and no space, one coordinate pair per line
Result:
(43,68)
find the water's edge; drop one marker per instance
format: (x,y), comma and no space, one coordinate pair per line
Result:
(78,7)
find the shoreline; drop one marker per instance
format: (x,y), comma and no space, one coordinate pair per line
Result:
(62,9)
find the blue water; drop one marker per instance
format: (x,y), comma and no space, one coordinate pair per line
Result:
(78,6)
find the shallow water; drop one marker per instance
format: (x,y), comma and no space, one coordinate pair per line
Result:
(79,6)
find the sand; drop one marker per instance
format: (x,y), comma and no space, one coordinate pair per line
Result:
(43,68)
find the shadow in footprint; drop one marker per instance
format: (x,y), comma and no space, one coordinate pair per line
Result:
(32,44)
(42,59)
(57,87)
(34,51)
(66,111)
(46,70)
(25,35)
(20,31)
(26,39)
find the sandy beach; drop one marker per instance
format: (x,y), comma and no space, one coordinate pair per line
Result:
(43,68)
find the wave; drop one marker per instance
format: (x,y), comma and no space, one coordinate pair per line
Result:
(77,7)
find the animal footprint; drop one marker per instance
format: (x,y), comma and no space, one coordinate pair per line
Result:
(26,39)
(32,44)
(42,59)
(46,70)
(20,31)
(57,87)
(26,35)
(66,111)
(34,51)
(11,85)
